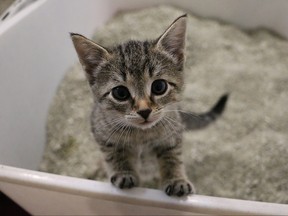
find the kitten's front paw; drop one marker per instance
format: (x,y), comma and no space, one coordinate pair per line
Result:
(179,187)
(125,180)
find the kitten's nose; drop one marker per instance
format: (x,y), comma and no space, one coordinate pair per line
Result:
(144,113)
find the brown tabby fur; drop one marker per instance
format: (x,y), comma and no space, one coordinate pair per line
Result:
(143,133)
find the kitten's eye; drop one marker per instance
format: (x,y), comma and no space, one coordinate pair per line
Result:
(159,87)
(120,93)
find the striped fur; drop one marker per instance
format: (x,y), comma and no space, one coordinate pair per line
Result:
(139,132)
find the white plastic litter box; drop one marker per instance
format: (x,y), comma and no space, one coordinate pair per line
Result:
(35,52)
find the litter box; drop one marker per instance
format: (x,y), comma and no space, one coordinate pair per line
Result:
(35,52)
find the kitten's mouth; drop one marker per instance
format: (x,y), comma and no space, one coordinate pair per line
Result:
(145,123)
(148,123)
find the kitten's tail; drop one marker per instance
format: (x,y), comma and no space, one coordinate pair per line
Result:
(194,121)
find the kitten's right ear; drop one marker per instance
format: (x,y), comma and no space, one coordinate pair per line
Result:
(90,54)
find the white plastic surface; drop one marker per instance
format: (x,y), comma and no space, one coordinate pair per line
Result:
(35,52)
(61,195)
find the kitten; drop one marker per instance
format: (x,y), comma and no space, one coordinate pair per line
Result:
(136,119)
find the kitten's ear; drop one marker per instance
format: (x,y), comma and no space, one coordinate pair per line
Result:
(90,54)
(172,40)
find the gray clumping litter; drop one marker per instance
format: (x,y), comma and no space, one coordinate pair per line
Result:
(243,155)
(71,149)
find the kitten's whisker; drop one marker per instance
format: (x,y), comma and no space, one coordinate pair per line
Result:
(165,109)
(131,117)
(124,127)
(168,126)
(126,137)
(114,129)
(116,120)
(173,120)
(120,126)
(130,133)
(193,115)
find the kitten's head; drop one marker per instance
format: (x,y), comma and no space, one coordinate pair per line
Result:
(136,80)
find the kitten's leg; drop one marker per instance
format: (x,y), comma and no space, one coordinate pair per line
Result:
(119,164)
(174,179)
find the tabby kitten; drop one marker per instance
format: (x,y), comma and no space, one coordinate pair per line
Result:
(136,118)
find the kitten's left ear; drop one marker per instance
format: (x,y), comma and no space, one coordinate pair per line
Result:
(172,41)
